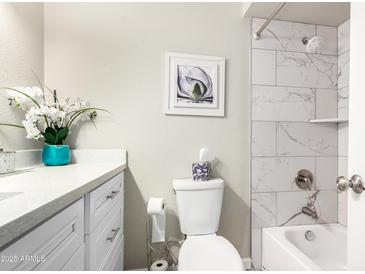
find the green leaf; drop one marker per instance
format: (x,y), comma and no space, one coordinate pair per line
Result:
(11,125)
(26,95)
(52,131)
(82,111)
(62,135)
(40,85)
(49,138)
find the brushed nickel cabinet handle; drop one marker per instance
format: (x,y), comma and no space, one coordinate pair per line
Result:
(115,233)
(112,194)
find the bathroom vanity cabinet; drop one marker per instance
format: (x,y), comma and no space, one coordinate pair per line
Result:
(104,239)
(49,246)
(87,235)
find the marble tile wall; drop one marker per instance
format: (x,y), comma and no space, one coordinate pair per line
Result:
(290,87)
(306,70)
(343,110)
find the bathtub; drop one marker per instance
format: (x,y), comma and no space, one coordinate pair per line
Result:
(286,248)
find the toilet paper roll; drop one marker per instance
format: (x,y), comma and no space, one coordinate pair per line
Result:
(156,206)
(156,211)
(160,265)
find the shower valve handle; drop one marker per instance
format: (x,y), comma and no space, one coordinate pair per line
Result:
(356,183)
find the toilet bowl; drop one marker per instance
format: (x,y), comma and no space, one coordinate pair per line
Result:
(199,207)
(207,253)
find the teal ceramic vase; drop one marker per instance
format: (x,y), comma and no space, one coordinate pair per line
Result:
(54,155)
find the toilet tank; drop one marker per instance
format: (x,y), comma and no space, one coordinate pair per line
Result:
(199,205)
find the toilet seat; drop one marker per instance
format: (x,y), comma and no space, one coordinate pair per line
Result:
(208,252)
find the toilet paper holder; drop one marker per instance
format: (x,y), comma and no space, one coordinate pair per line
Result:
(157,248)
(156,219)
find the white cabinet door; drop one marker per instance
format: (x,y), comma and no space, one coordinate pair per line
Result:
(49,246)
(356,202)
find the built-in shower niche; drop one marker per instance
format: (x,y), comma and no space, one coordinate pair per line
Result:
(299,121)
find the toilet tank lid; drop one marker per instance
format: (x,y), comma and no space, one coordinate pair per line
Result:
(190,184)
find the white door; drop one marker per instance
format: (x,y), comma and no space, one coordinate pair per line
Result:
(356,164)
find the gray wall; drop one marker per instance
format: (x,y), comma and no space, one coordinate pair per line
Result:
(21,51)
(113,55)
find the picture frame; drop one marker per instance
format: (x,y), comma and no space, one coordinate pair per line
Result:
(195,85)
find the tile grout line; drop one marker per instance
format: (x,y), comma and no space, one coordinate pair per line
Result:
(296,52)
(294,191)
(296,87)
(344,52)
(303,87)
(276,139)
(315,103)
(286,121)
(306,156)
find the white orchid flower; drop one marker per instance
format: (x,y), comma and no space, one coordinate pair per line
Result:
(22,101)
(32,114)
(44,111)
(32,131)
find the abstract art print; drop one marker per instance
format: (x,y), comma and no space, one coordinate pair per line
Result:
(195,85)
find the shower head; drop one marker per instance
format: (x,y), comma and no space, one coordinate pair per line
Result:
(314,44)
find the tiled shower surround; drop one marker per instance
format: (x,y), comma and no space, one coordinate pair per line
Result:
(290,87)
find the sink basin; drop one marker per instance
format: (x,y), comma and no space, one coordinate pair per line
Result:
(6,195)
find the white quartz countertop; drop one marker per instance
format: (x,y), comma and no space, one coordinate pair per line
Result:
(29,198)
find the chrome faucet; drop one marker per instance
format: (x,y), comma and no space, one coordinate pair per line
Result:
(310,212)
(310,209)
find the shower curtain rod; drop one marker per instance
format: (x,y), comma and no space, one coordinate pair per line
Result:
(257,34)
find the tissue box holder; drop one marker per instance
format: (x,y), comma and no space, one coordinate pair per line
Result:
(201,171)
(7,161)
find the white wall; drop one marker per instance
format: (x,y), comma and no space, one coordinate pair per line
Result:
(21,51)
(113,55)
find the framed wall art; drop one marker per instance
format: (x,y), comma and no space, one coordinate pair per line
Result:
(195,85)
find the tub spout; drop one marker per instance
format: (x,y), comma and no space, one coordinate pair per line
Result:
(310,212)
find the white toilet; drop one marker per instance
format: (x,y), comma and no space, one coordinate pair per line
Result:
(199,206)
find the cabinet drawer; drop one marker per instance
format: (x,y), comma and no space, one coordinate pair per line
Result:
(113,260)
(100,201)
(102,240)
(49,246)
(77,261)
